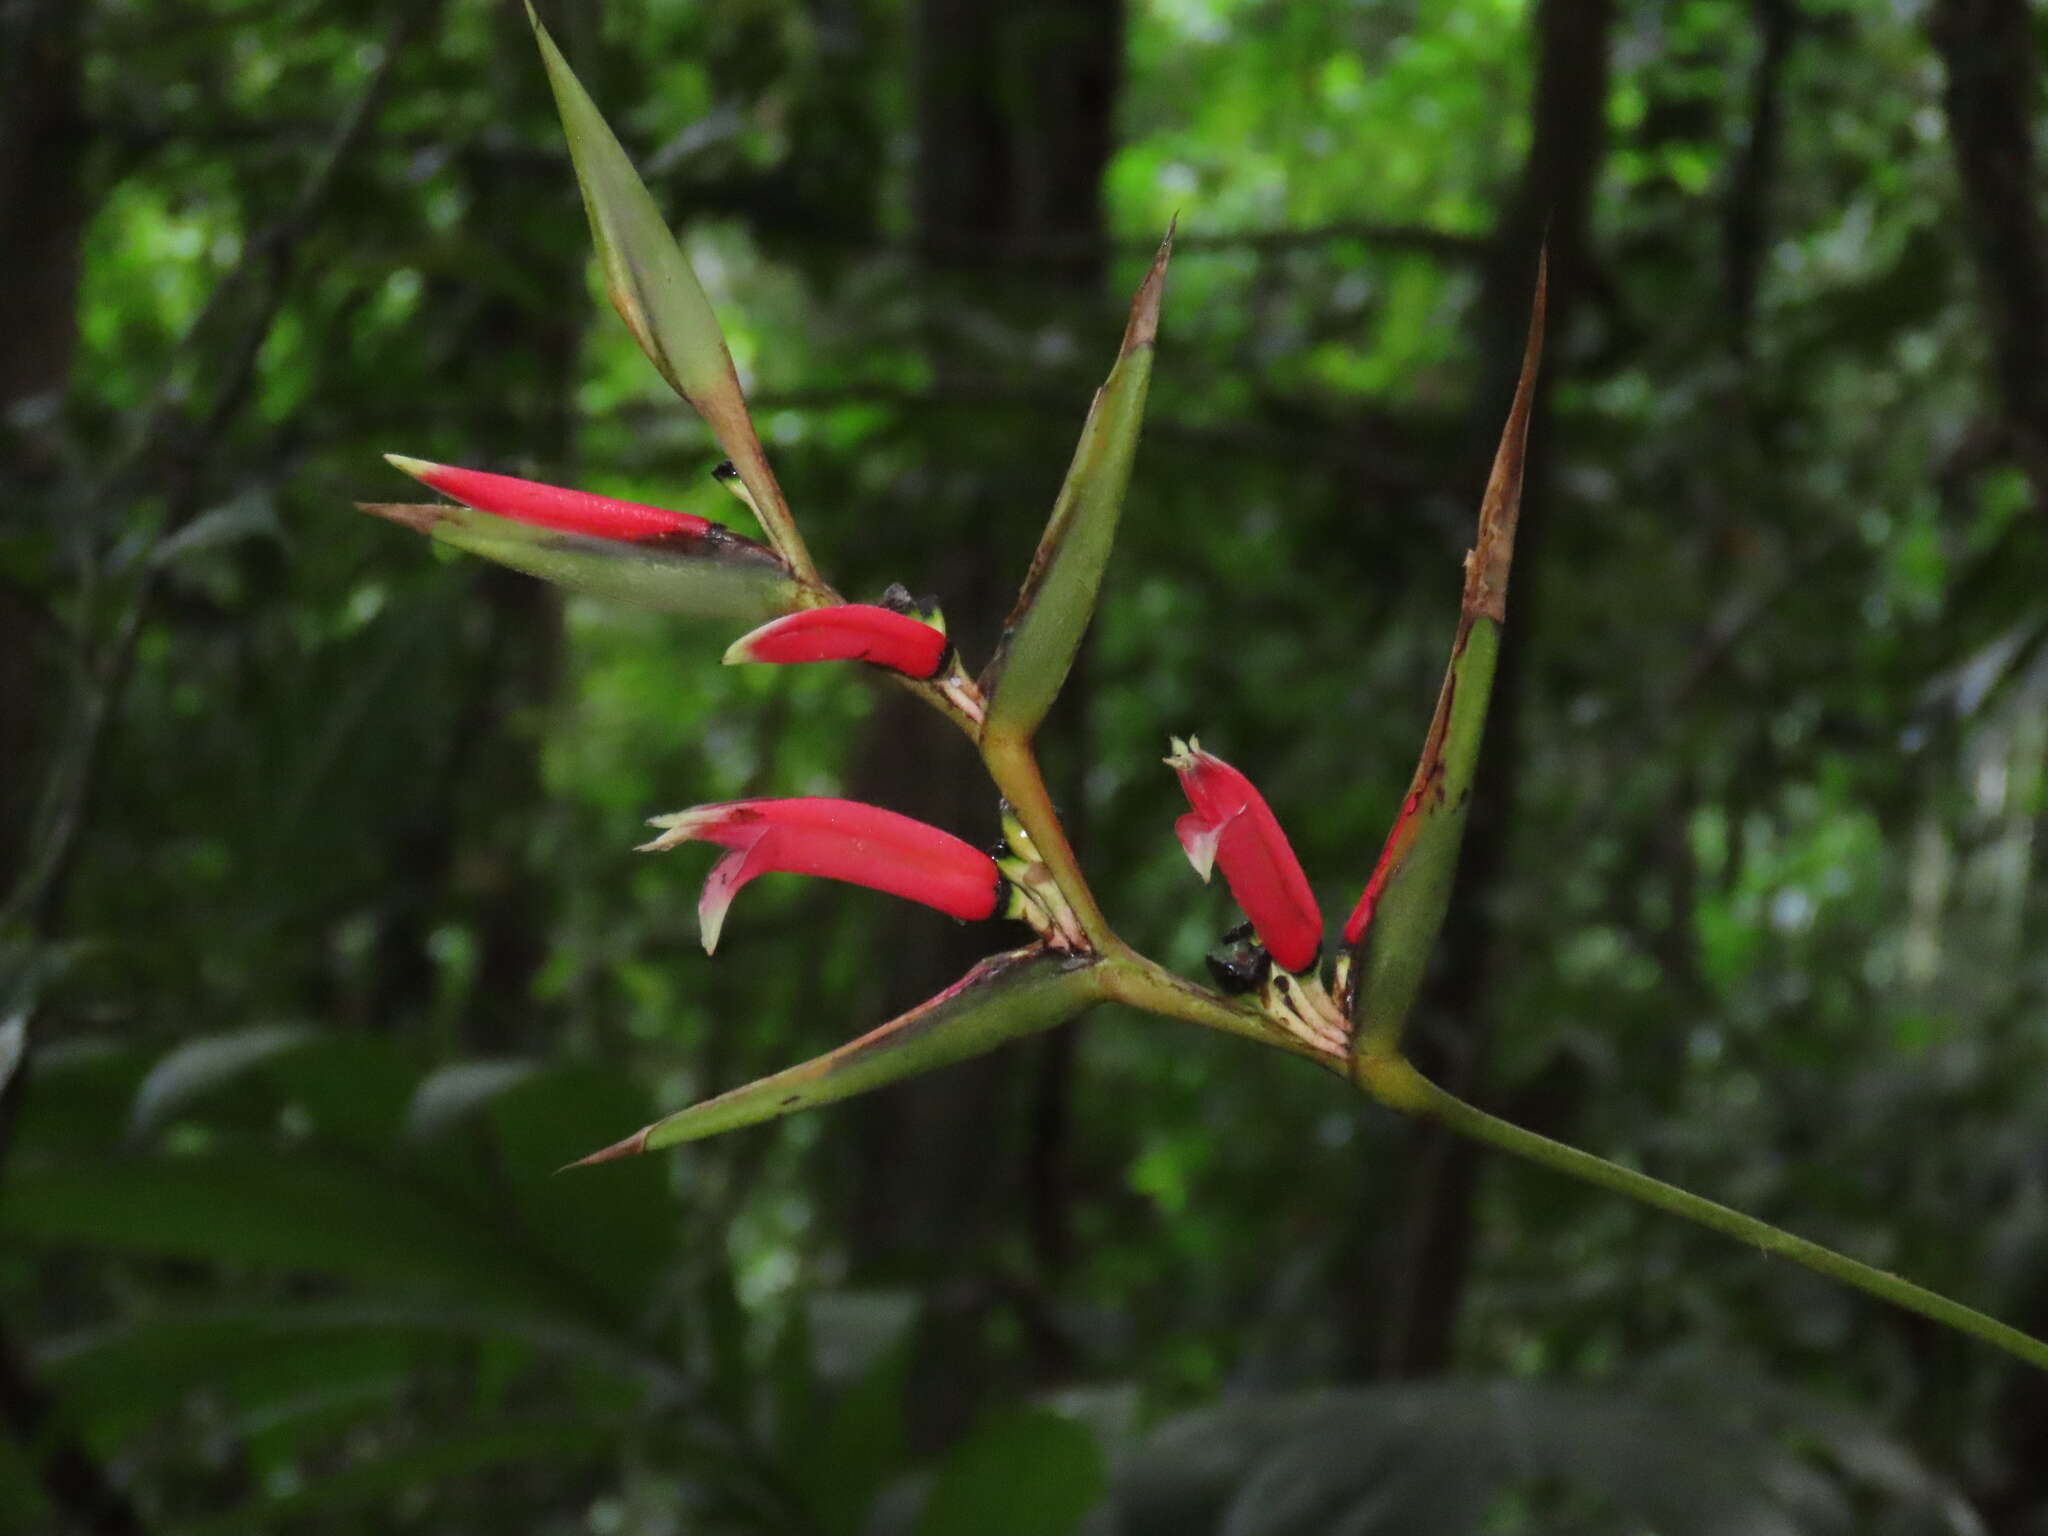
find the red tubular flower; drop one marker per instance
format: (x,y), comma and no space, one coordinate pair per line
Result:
(1231,825)
(847,632)
(839,839)
(553,506)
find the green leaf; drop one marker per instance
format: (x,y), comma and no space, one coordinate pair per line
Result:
(1044,631)
(1403,1458)
(1397,920)
(301,1213)
(13,1047)
(850,1442)
(1028,1472)
(429,1464)
(657,294)
(196,1067)
(1005,997)
(721,576)
(453,1093)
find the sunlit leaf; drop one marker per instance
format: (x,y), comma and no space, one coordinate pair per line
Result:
(1003,998)
(198,1066)
(451,1094)
(1058,598)
(13,1047)
(1395,923)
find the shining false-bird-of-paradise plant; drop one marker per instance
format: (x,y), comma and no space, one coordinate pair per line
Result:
(1269,973)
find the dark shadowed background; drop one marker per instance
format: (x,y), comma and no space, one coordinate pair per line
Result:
(322,942)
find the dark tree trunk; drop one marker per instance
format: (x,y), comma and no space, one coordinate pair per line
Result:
(42,216)
(1992,55)
(1991,50)
(1745,232)
(42,194)
(1431,1253)
(1015,113)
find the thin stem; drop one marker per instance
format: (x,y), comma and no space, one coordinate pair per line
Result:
(1014,767)
(1394,1082)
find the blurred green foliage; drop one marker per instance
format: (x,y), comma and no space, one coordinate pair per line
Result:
(333,950)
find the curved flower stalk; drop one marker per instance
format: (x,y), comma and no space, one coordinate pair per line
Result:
(1270,975)
(839,840)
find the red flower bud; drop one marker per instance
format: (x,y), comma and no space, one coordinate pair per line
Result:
(839,839)
(1232,826)
(847,632)
(553,506)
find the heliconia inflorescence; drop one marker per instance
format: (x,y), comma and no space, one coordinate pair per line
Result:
(848,632)
(554,506)
(840,840)
(1232,828)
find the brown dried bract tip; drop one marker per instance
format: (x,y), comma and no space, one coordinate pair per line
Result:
(1143,328)
(632,1146)
(418,516)
(1486,566)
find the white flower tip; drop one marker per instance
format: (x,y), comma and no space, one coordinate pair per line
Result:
(1198,839)
(678,827)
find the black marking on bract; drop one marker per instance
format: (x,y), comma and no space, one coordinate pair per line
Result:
(1240,964)
(715,542)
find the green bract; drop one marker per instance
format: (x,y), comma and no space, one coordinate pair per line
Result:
(657,294)
(1005,997)
(1058,598)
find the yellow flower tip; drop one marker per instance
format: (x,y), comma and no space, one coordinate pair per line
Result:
(742,649)
(419,469)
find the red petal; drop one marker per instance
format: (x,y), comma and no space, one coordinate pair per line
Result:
(1257,861)
(847,632)
(552,506)
(1406,826)
(840,840)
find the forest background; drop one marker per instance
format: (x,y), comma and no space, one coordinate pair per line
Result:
(323,946)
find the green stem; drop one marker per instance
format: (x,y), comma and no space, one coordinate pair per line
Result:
(1014,767)
(1394,1082)
(1132,979)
